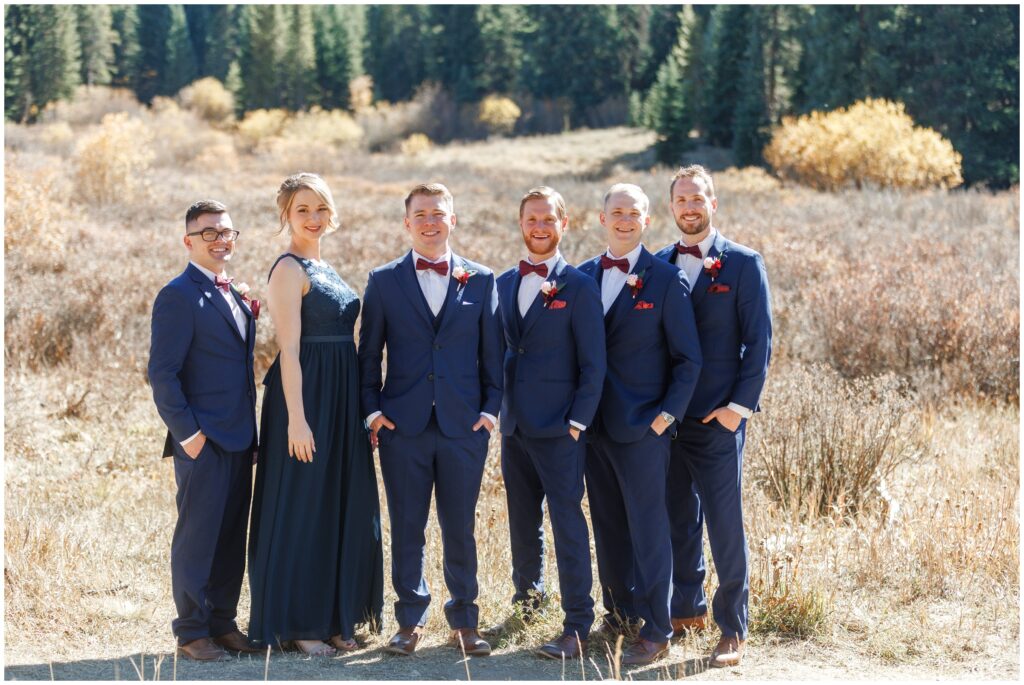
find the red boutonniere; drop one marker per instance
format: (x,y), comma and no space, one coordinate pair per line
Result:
(243,291)
(549,290)
(462,275)
(712,265)
(636,282)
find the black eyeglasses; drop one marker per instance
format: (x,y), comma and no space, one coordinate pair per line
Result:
(211,234)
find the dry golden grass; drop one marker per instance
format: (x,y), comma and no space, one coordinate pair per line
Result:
(918,577)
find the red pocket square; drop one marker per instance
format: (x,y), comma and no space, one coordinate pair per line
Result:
(718,288)
(643,304)
(557,304)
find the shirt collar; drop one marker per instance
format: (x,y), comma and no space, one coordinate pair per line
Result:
(705,245)
(446,258)
(632,256)
(206,272)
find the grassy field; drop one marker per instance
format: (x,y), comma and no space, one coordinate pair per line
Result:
(881,479)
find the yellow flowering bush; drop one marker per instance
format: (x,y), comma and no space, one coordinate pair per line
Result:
(415,144)
(260,125)
(208,98)
(499,114)
(870,142)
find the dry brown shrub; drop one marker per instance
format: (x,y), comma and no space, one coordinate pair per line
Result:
(872,141)
(90,104)
(825,444)
(209,99)
(37,218)
(360,93)
(184,136)
(499,114)
(928,311)
(111,162)
(384,125)
(415,145)
(260,125)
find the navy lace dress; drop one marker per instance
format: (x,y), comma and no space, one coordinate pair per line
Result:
(315,557)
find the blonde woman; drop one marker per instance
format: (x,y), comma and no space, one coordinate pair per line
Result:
(315,559)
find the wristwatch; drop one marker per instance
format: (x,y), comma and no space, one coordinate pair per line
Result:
(668,417)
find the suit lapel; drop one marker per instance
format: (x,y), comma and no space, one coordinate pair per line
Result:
(624,301)
(210,292)
(700,288)
(537,306)
(511,312)
(250,321)
(410,286)
(453,298)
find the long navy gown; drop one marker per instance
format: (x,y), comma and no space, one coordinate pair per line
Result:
(315,556)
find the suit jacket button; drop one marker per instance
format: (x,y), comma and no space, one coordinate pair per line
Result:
(522,351)
(430,376)
(437,347)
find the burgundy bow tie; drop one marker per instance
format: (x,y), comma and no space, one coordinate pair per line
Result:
(223,283)
(690,250)
(607,263)
(439,267)
(525,269)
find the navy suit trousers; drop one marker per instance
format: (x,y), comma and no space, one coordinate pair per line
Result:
(535,470)
(626,489)
(208,547)
(704,486)
(412,466)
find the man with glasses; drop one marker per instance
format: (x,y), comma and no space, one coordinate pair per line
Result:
(201,372)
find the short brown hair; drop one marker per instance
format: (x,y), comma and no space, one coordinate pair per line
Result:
(433,190)
(544,193)
(203,207)
(296,182)
(692,171)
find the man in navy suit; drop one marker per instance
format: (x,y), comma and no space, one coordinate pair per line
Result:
(654,361)
(554,371)
(432,417)
(731,304)
(201,372)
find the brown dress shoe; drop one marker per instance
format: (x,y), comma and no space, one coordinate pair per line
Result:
(686,625)
(565,647)
(727,652)
(471,642)
(643,652)
(404,642)
(202,649)
(235,641)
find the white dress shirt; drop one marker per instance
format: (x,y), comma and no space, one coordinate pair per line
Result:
(530,284)
(614,279)
(692,266)
(236,312)
(434,287)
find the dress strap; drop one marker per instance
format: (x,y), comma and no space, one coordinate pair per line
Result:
(278,261)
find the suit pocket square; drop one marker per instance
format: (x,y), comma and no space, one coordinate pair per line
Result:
(466,304)
(719,288)
(557,304)
(643,304)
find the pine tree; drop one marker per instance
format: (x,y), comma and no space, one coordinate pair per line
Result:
(96,36)
(661,37)
(399,48)
(730,34)
(502,32)
(338,42)
(457,50)
(670,104)
(181,61)
(260,56)
(41,57)
(219,40)
(751,125)
(124,21)
(299,87)
(154,28)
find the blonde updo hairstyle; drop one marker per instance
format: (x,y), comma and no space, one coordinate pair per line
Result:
(296,182)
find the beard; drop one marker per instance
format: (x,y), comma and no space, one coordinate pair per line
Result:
(696,228)
(542,246)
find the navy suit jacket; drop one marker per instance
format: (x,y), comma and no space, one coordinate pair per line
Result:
(200,369)
(654,358)
(554,356)
(735,328)
(455,368)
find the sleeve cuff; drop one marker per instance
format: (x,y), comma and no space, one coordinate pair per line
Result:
(190,439)
(741,410)
(489,417)
(371,417)
(578,426)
